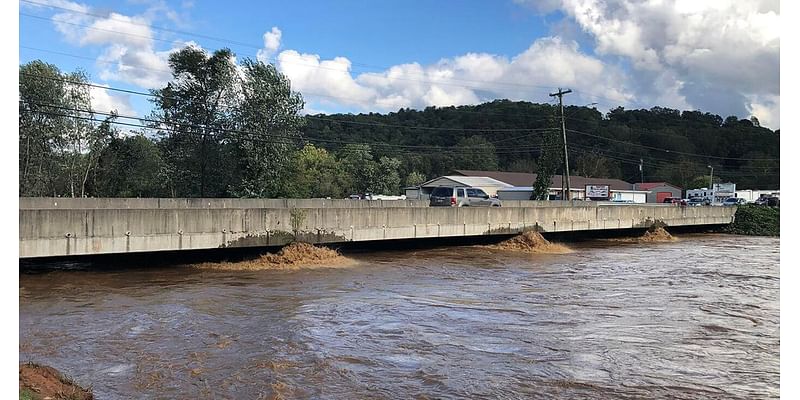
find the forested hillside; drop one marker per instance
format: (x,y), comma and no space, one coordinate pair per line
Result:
(673,145)
(225,129)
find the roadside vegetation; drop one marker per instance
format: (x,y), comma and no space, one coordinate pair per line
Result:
(756,221)
(227,128)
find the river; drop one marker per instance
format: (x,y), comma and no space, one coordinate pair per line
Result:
(694,319)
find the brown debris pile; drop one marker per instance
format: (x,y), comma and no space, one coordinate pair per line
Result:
(43,382)
(293,256)
(532,242)
(657,235)
(652,235)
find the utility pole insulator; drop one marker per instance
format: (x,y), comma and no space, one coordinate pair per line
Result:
(566,194)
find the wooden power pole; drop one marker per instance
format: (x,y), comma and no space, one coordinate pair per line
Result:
(567,195)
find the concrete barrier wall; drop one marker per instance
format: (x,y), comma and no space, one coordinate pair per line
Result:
(66,203)
(79,231)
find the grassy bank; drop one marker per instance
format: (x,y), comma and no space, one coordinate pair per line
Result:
(756,221)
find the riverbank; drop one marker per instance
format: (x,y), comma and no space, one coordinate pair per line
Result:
(39,382)
(754,220)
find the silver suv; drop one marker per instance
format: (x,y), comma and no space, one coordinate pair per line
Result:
(462,196)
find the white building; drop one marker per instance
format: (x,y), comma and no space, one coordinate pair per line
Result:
(526,192)
(717,194)
(753,195)
(489,185)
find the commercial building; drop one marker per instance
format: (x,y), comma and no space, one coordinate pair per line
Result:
(717,194)
(753,195)
(423,191)
(520,186)
(659,191)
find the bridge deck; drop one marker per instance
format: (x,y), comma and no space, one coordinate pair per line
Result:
(107,226)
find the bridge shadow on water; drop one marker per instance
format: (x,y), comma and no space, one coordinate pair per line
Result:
(166,259)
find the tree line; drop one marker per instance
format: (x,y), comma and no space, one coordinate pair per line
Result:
(222,128)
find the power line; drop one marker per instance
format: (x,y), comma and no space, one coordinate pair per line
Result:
(238,43)
(226,130)
(304,92)
(397,148)
(669,151)
(483,84)
(336,120)
(274,59)
(306,116)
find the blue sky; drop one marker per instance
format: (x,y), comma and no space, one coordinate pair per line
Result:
(362,56)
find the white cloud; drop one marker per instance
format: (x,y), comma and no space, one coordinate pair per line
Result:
(468,79)
(118,30)
(272,40)
(726,46)
(767,109)
(129,54)
(104,101)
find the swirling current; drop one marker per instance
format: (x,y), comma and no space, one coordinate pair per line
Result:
(692,319)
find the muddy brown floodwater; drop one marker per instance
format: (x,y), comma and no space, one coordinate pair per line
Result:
(694,319)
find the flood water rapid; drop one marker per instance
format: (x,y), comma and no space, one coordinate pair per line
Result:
(693,319)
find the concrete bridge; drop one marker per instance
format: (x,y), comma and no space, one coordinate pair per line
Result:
(50,227)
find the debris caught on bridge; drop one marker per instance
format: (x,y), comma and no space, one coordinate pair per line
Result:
(532,242)
(295,255)
(657,234)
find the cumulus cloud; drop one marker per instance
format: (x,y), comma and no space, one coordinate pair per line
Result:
(118,29)
(127,41)
(272,40)
(721,55)
(105,102)
(467,79)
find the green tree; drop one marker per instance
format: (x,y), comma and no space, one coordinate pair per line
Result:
(357,162)
(477,153)
(593,165)
(387,178)
(550,160)
(314,172)
(414,179)
(130,167)
(269,112)
(194,111)
(55,131)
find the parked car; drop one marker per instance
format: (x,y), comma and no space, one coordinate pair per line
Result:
(622,201)
(462,196)
(773,201)
(675,200)
(698,201)
(734,201)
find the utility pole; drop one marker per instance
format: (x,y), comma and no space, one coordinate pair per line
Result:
(641,172)
(560,94)
(711,184)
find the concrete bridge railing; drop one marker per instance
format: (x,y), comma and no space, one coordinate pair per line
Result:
(83,228)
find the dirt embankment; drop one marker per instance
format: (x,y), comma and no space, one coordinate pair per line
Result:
(39,382)
(531,242)
(296,255)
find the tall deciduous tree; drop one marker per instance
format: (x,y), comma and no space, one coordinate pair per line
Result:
(55,131)
(130,167)
(195,111)
(227,130)
(269,118)
(314,172)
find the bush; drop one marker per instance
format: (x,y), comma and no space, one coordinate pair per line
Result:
(756,221)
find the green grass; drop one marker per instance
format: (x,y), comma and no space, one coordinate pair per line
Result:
(26,394)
